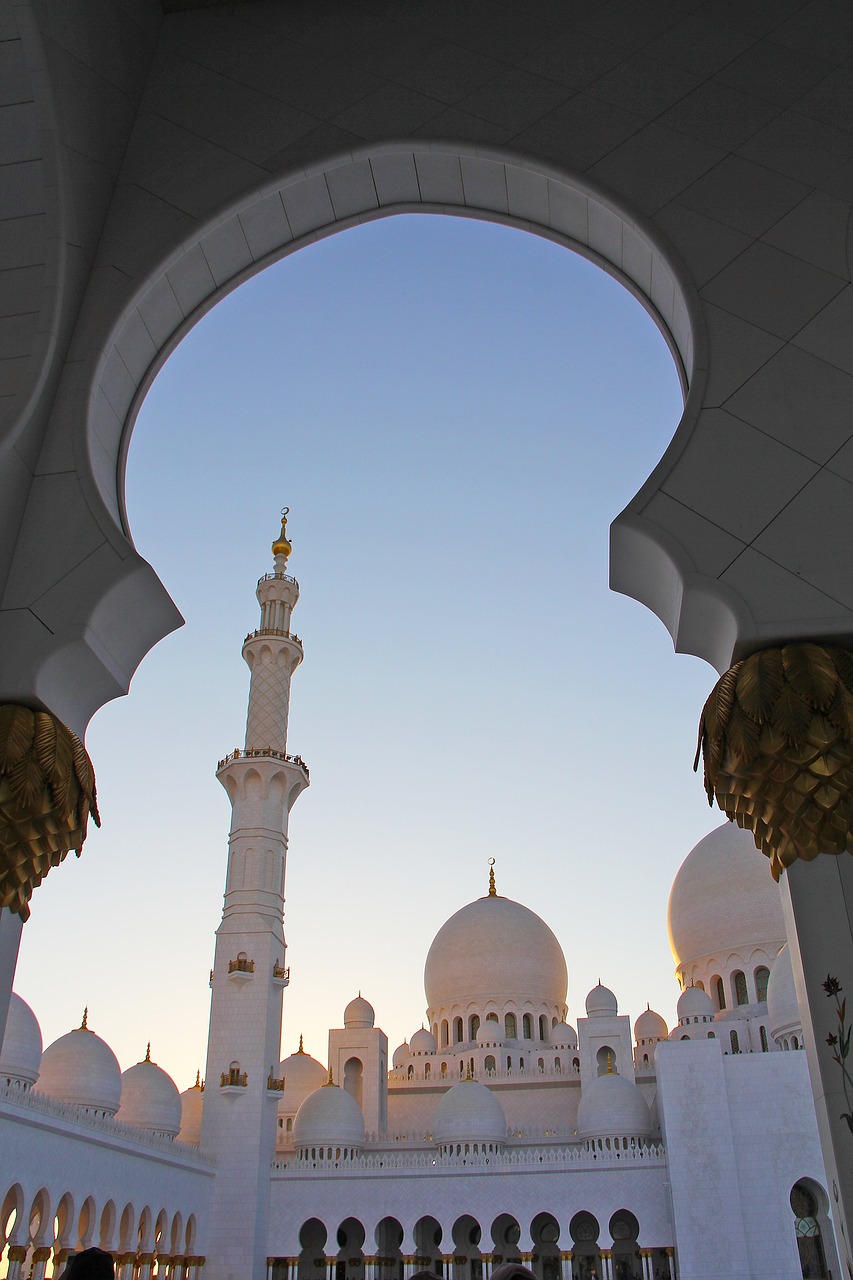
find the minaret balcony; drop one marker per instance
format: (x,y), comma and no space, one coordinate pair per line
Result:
(233,1080)
(281,975)
(274,631)
(264,753)
(241,969)
(275,1084)
(282,577)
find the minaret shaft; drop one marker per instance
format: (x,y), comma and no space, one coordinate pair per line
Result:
(249,973)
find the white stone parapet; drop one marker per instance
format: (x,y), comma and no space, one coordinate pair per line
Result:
(425,1159)
(12,1098)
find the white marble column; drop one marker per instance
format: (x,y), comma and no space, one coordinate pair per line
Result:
(488,1264)
(566,1264)
(15,1259)
(670,1257)
(817,899)
(607,1265)
(10,940)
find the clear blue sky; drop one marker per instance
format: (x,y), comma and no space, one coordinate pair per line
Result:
(454,411)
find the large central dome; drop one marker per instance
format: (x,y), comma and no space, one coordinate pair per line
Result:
(495,949)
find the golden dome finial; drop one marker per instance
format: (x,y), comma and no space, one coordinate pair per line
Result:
(84,1025)
(469,1074)
(147,1057)
(610,1070)
(300,1049)
(330,1081)
(197,1084)
(282,546)
(493,893)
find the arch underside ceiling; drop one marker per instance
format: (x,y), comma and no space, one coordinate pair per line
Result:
(720,199)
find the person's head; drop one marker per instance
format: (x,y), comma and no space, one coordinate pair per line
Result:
(91,1264)
(512,1271)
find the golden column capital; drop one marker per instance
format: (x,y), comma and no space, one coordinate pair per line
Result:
(47,795)
(776,738)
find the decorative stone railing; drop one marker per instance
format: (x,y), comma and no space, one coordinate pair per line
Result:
(68,1112)
(400,1075)
(281,973)
(234,1079)
(282,577)
(262,753)
(273,631)
(556,1156)
(275,1084)
(241,965)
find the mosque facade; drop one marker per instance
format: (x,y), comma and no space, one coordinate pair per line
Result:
(498,1131)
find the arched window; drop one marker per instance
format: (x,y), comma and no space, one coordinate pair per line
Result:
(527,1027)
(605,1061)
(490,1064)
(288,1125)
(553,1023)
(445,1034)
(762,977)
(510,1028)
(492,1017)
(443,1069)
(576,1065)
(735,1042)
(739,988)
(795,1044)
(473,1026)
(435,1032)
(427,1071)
(558,1065)
(711,1035)
(765,1047)
(719,991)
(645,1059)
(809,1238)
(543,1027)
(461,1067)
(541,1064)
(458,1030)
(353,1078)
(410,1074)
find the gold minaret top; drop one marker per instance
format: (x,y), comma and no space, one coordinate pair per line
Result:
(282,546)
(493,893)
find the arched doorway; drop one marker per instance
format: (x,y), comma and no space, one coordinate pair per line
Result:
(467,1258)
(389,1258)
(312,1250)
(506,1234)
(626,1263)
(586,1253)
(428,1236)
(813,1229)
(545,1234)
(350,1260)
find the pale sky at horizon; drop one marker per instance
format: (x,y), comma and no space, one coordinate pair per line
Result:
(454,412)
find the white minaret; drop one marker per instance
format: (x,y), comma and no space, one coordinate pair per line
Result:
(249,975)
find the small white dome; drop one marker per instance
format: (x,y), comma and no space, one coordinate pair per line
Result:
(563,1036)
(723,899)
(82,1069)
(192,1104)
(359,1013)
(302,1073)
(650,1026)
(489,1032)
(20,1053)
(783,1011)
(694,1003)
(422,1041)
(469,1112)
(613,1107)
(601,1003)
(329,1117)
(495,948)
(150,1099)
(401,1053)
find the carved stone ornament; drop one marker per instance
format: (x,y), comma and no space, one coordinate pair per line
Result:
(47,794)
(776,738)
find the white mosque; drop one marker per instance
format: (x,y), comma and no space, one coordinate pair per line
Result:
(499,1131)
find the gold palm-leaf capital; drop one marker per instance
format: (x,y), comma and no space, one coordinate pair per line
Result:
(47,795)
(776,739)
